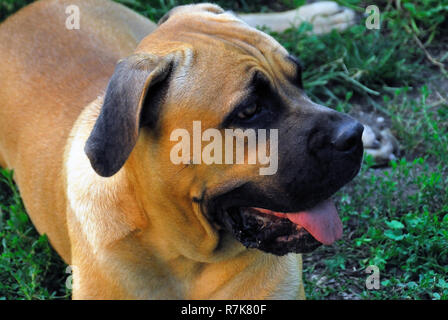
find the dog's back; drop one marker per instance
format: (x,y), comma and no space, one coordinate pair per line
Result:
(48,73)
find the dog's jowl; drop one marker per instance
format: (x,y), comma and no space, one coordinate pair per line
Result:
(86,122)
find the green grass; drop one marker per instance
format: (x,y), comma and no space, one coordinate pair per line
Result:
(29,268)
(7,7)
(395,218)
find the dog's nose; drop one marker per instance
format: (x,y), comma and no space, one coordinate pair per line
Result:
(348,136)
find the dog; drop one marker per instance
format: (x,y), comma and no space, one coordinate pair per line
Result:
(85,123)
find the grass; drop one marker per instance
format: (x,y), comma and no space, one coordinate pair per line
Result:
(29,268)
(395,218)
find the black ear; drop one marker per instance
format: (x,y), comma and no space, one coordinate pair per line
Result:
(116,130)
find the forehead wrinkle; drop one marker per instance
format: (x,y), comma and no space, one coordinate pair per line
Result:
(258,44)
(240,46)
(228,29)
(234,42)
(250,54)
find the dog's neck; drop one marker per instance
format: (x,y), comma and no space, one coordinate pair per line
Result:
(249,275)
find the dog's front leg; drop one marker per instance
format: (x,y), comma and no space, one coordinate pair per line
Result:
(324,17)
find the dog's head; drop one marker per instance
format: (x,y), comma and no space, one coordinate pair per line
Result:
(203,68)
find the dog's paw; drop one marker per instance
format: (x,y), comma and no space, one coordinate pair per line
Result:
(380,143)
(326,16)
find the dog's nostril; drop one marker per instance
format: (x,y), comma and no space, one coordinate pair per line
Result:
(348,136)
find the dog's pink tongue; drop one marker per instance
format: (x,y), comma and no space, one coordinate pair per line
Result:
(322,222)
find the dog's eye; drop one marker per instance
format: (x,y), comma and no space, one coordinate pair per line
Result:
(249,112)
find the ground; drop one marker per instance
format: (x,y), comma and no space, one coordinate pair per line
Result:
(395,217)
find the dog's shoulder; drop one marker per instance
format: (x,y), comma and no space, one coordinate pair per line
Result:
(105,208)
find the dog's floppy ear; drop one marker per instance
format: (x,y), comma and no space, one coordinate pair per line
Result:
(116,130)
